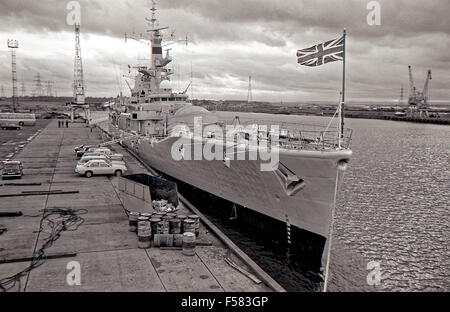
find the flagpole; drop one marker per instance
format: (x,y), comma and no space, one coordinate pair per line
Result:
(343,88)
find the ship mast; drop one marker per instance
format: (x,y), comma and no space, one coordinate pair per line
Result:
(153,37)
(153,9)
(158,62)
(150,77)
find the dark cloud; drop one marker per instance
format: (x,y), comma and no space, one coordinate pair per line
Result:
(234,19)
(230,40)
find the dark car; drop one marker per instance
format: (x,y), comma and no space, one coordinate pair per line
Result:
(80,150)
(12,169)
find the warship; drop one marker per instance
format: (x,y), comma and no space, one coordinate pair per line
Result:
(298,190)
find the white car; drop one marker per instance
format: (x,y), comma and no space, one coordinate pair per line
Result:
(87,158)
(100,167)
(104,151)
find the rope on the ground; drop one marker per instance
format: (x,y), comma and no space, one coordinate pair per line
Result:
(53,223)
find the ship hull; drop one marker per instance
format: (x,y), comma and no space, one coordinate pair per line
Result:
(305,202)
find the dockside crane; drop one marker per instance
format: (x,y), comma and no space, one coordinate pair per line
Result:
(419,100)
(425,91)
(79,88)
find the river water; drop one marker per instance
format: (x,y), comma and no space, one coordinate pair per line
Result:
(393,210)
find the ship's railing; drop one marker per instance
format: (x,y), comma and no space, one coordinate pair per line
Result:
(317,140)
(305,136)
(290,135)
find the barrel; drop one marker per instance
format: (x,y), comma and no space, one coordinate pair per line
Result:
(144,227)
(163,227)
(182,218)
(178,240)
(154,224)
(161,213)
(144,234)
(175,226)
(167,217)
(188,244)
(189,226)
(196,219)
(142,218)
(171,214)
(146,215)
(132,221)
(163,240)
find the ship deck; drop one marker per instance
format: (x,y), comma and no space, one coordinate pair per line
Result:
(107,252)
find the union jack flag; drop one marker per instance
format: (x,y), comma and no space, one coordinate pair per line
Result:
(322,53)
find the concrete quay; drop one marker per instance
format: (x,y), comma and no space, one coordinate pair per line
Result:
(107,252)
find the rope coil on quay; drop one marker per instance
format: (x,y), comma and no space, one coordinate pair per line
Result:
(58,220)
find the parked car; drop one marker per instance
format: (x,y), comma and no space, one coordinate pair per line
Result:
(100,167)
(12,169)
(105,151)
(87,157)
(80,150)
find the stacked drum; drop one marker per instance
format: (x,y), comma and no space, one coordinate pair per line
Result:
(165,229)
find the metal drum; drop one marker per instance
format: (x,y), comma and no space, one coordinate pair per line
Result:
(175,226)
(141,218)
(167,217)
(163,240)
(132,221)
(182,218)
(196,219)
(154,224)
(146,215)
(189,244)
(189,226)
(144,234)
(161,214)
(171,214)
(163,227)
(178,240)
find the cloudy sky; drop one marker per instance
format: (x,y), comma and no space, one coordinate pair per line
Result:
(229,40)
